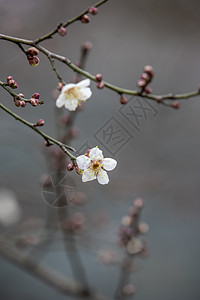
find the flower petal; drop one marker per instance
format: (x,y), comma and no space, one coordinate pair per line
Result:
(85,93)
(67,87)
(83,83)
(71,104)
(109,164)
(60,100)
(102,177)
(96,154)
(88,175)
(83,162)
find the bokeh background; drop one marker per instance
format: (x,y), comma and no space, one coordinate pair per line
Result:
(160,164)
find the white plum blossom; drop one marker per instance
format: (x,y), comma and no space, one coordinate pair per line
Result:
(94,166)
(73,93)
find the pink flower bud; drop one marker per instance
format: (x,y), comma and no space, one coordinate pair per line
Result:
(123,100)
(21,95)
(100,85)
(60,86)
(40,122)
(33,61)
(141,83)
(148,90)
(62,31)
(32,51)
(85,19)
(36,95)
(145,76)
(34,102)
(139,203)
(70,167)
(13,84)
(87,46)
(22,103)
(149,70)
(175,105)
(17,102)
(93,10)
(9,78)
(99,77)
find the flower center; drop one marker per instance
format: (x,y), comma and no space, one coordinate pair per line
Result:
(96,165)
(72,93)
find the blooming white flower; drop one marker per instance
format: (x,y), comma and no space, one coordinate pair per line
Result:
(94,166)
(72,94)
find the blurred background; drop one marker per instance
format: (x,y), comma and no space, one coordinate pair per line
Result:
(158,152)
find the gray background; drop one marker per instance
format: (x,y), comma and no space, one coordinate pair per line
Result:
(160,165)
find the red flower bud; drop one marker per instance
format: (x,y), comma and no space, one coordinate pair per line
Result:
(93,10)
(21,95)
(141,83)
(33,60)
(175,105)
(9,78)
(62,31)
(70,167)
(36,95)
(148,90)
(22,103)
(34,102)
(32,51)
(149,70)
(40,122)
(100,85)
(87,46)
(13,84)
(60,86)
(85,19)
(99,77)
(123,100)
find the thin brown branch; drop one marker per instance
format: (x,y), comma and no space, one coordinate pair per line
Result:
(44,273)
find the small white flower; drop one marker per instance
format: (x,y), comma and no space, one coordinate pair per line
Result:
(94,166)
(72,94)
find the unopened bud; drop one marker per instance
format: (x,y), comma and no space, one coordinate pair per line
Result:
(62,31)
(123,100)
(99,77)
(33,61)
(17,102)
(32,51)
(138,202)
(145,76)
(100,85)
(93,10)
(40,122)
(60,86)
(148,90)
(85,19)
(141,83)
(36,95)
(149,70)
(175,105)
(9,78)
(13,84)
(87,46)
(34,102)
(21,95)
(70,167)
(22,103)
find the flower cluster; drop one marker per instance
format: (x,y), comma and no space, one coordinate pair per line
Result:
(11,82)
(145,79)
(31,54)
(93,165)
